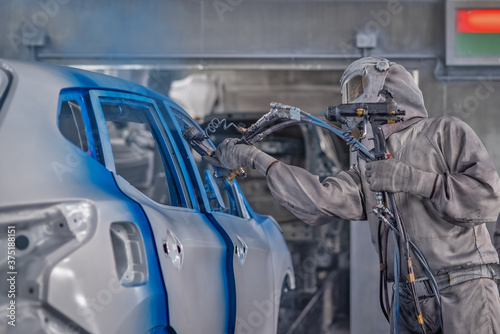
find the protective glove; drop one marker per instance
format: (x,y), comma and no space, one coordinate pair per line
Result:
(394,176)
(231,155)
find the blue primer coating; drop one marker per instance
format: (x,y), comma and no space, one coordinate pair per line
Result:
(230,282)
(156,288)
(229,270)
(155,276)
(184,171)
(200,198)
(106,181)
(156,279)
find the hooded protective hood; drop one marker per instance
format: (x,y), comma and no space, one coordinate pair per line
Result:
(380,73)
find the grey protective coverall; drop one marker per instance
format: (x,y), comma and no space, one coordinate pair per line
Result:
(448,227)
(452,190)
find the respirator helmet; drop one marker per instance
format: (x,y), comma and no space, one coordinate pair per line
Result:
(363,79)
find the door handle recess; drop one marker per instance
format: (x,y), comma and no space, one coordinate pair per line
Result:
(173,248)
(130,256)
(240,249)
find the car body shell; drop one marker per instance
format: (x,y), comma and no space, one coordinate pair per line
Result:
(90,253)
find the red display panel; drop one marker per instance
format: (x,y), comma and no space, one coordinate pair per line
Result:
(478,21)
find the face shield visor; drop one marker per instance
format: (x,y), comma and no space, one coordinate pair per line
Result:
(363,79)
(352,89)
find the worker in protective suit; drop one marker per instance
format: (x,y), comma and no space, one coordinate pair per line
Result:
(445,187)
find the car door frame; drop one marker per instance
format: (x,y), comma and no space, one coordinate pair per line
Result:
(255,311)
(155,211)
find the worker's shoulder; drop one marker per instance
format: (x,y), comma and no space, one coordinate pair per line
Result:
(445,122)
(445,127)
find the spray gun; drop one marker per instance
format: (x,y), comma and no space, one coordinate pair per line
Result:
(377,114)
(199,142)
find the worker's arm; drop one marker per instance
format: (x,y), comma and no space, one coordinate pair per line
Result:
(464,192)
(299,191)
(316,202)
(468,193)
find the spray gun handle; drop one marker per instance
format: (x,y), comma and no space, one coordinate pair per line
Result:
(380,154)
(379,141)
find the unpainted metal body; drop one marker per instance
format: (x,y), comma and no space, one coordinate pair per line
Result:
(102,257)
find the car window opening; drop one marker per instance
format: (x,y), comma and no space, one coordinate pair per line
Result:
(136,154)
(72,126)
